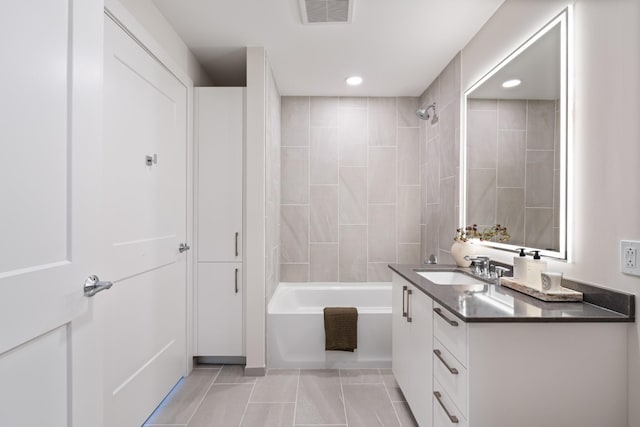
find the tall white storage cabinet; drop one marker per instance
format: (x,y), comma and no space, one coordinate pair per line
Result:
(219,295)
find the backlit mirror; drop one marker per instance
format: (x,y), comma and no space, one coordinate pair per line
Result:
(514,151)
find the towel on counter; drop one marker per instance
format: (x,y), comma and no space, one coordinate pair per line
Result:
(341,328)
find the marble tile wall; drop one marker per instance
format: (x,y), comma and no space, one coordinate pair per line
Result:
(514,162)
(439,165)
(350,188)
(272,189)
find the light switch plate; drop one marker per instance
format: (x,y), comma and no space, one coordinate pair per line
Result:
(629,257)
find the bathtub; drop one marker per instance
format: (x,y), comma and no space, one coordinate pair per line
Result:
(295,325)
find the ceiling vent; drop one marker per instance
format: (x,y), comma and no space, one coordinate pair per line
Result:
(326,11)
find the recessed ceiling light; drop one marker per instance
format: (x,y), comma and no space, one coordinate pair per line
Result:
(354,80)
(511,83)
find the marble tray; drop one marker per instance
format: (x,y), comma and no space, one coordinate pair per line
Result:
(562,295)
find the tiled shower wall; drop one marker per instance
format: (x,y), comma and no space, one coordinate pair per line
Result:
(439,165)
(272,188)
(514,168)
(350,188)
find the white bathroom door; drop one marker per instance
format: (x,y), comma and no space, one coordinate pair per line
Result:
(50,121)
(144,158)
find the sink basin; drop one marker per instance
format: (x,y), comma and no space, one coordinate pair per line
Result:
(449,278)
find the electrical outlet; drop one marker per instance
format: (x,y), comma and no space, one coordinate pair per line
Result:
(629,257)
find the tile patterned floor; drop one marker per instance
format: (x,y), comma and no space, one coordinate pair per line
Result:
(221,396)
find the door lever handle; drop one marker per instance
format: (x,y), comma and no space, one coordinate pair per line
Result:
(93,285)
(183,247)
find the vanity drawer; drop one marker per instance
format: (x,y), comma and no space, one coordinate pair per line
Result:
(445,412)
(451,375)
(451,332)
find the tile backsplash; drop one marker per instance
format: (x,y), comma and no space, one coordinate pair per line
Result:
(350,188)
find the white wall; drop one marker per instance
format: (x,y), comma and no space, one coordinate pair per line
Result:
(154,22)
(606,139)
(255,240)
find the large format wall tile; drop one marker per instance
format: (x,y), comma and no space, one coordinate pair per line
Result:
(323,213)
(324,159)
(482,139)
(295,175)
(382,121)
(324,111)
(353,253)
(510,211)
(408,214)
(539,228)
(294,233)
(381,175)
(353,195)
(481,196)
(511,158)
(295,121)
(324,264)
(539,192)
(541,117)
(409,156)
(382,233)
(512,114)
(350,160)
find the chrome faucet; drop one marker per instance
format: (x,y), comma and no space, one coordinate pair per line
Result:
(480,265)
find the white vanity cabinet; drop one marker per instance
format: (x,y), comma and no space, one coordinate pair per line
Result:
(219,147)
(505,374)
(412,325)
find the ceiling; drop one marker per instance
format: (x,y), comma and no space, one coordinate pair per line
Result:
(398,46)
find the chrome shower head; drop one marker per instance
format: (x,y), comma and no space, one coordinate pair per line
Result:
(423,113)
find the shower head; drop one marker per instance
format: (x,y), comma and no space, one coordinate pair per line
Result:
(423,113)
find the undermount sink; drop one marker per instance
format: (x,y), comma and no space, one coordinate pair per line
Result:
(449,278)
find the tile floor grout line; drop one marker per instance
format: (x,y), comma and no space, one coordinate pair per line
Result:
(253,387)
(295,403)
(395,411)
(344,400)
(204,395)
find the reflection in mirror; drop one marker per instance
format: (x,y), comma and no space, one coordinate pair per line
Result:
(515,148)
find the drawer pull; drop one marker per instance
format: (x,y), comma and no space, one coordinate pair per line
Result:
(437,352)
(449,321)
(452,418)
(236,280)
(409,292)
(237,243)
(404,292)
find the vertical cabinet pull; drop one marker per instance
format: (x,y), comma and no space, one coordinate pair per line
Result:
(438,354)
(452,418)
(236,280)
(446,319)
(404,292)
(409,292)
(236,243)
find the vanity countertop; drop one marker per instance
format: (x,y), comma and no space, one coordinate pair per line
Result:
(494,303)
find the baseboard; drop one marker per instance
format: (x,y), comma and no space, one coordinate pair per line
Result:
(255,372)
(221,360)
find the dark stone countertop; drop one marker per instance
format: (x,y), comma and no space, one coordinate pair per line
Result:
(494,303)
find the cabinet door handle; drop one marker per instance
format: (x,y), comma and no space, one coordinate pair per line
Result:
(452,418)
(409,292)
(438,354)
(237,243)
(236,280)
(446,319)
(404,292)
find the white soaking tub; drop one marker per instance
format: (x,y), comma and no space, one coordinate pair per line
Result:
(295,325)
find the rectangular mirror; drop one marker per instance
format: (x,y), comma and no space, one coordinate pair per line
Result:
(514,150)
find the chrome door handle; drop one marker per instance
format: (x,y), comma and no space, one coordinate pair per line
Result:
(93,285)
(409,293)
(183,247)
(438,353)
(438,311)
(404,292)
(452,418)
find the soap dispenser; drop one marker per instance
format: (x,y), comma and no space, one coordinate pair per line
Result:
(520,266)
(534,268)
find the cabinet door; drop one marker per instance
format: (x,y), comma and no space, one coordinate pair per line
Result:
(421,338)
(400,333)
(219,325)
(219,141)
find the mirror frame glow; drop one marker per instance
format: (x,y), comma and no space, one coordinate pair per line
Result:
(564,19)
